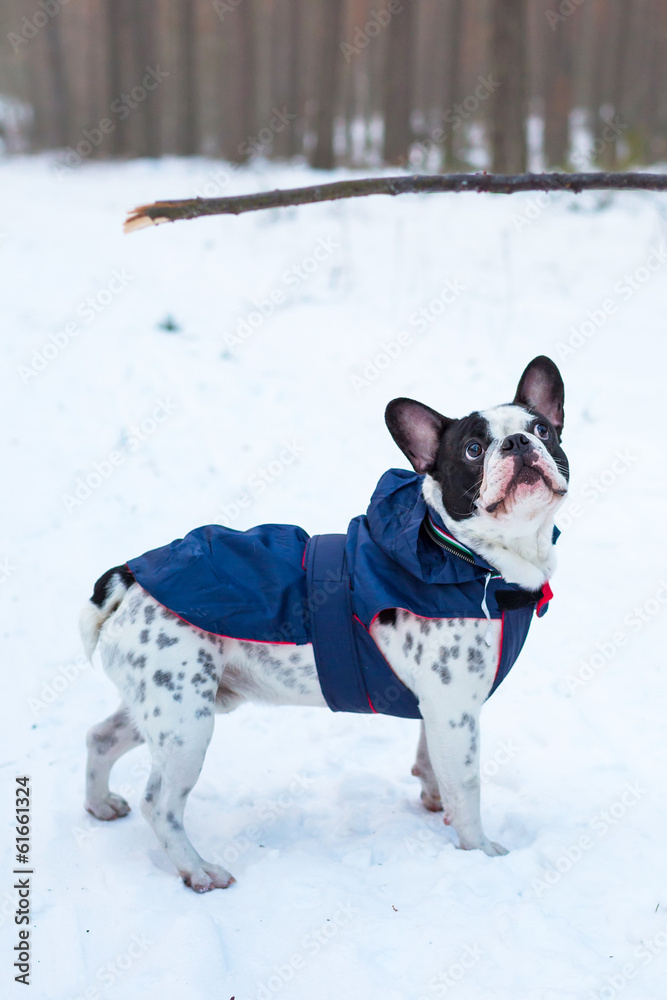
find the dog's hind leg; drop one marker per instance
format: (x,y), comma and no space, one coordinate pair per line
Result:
(178,730)
(107,741)
(423,769)
(177,753)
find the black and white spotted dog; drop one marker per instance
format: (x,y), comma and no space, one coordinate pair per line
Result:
(495,480)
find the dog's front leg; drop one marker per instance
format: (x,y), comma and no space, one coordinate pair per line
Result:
(423,769)
(450,667)
(453,749)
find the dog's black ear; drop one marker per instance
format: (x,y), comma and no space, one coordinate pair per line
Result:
(541,388)
(417,430)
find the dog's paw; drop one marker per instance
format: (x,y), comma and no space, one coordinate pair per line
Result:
(208,877)
(111,807)
(489,847)
(432,802)
(494,850)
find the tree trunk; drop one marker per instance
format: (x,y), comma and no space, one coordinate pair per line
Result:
(61,122)
(38,95)
(294,133)
(509,103)
(144,32)
(295,70)
(453,46)
(115,13)
(243,105)
(187,139)
(558,94)
(398,85)
(330,31)
(284,30)
(655,132)
(619,75)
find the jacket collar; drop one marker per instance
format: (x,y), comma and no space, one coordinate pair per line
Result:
(438,533)
(396,520)
(413,535)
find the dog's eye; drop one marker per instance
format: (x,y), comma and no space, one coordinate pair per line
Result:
(542,431)
(474,450)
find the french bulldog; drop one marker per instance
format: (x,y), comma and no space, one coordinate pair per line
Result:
(420,610)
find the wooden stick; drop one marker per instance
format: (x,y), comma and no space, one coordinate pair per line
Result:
(194,208)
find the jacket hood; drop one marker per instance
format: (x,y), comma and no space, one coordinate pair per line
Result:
(395,517)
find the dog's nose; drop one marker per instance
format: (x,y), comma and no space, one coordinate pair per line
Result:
(517,443)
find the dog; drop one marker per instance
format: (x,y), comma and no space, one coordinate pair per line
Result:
(419,611)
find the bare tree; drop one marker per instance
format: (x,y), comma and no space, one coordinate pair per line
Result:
(61,99)
(285,83)
(294,134)
(558,94)
(144,33)
(38,95)
(509,101)
(188,126)
(609,75)
(398,85)
(453,46)
(116,12)
(230,62)
(330,23)
(619,76)
(241,45)
(654,137)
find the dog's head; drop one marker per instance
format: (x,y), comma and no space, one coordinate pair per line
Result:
(499,474)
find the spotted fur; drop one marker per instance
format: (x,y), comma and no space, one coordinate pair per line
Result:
(172,688)
(173,677)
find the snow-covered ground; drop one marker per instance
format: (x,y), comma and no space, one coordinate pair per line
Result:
(265,403)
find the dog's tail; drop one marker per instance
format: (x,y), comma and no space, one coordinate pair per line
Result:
(108,594)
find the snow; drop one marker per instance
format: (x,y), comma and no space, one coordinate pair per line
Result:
(346,886)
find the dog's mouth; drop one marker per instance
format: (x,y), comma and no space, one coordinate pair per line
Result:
(530,476)
(527,475)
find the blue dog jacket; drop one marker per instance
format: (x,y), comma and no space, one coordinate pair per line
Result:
(276,584)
